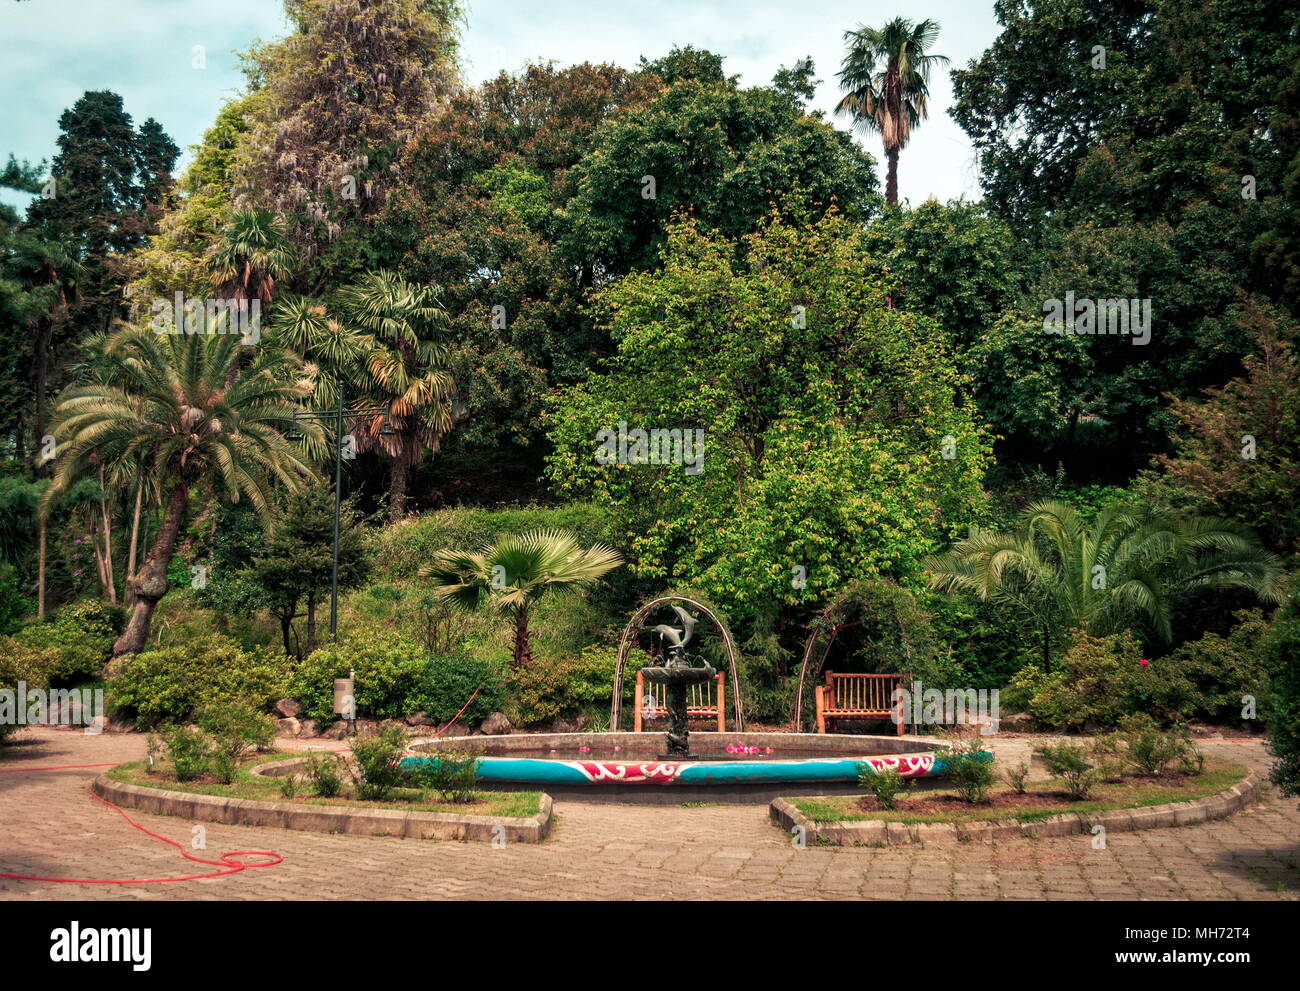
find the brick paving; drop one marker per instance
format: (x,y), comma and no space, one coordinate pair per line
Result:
(49,826)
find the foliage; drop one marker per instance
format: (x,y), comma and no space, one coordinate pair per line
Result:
(883,785)
(1283,716)
(237,729)
(81,635)
(1119,572)
(13,604)
(190,752)
(324,775)
(1074,767)
(21,663)
(971,769)
(824,416)
(378,761)
(1094,684)
(1017,777)
(389,673)
(448,681)
(1153,751)
(171,684)
(568,685)
(450,773)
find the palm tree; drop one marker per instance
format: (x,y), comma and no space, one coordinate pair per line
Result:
(379,338)
(886,74)
(250,253)
(511,575)
(1121,571)
(169,402)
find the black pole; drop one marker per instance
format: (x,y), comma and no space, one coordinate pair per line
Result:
(338,489)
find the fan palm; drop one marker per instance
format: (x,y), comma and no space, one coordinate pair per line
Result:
(886,74)
(511,575)
(1121,571)
(380,337)
(169,402)
(251,252)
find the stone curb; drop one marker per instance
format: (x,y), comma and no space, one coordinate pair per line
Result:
(880,832)
(329,819)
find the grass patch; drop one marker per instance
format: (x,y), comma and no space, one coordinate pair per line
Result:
(1130,793)
(522,804)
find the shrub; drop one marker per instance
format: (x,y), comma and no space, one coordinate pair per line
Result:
(13,604)
(447,682)
(1072,765)
(884,785)
(323,773)
(971,769)
(189,751)
(1094,686)
(1018,777)
(379,763)
(569,685)
(1283,716)
(289,786)
(1214,672)
(80,634)
(171,684)
(222,766)
(20,662)
(451,773)
(389,674)
(237,729)
(1153,751)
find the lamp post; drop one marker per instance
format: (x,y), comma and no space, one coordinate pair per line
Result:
(337,416)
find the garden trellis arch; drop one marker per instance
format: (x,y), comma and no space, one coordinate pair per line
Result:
(629,637)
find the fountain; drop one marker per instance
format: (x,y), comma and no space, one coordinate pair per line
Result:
(676,675)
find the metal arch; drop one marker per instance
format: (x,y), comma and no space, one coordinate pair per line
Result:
(629,636)
(833,632)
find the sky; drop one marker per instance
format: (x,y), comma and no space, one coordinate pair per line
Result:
(51,51)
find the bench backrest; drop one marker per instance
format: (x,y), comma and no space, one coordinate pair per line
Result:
(701,698)
(863,692)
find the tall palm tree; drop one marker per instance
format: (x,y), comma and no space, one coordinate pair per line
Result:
(380,339)
(886,74)
(251,252)
(169,402)
(511,575)
(1120,572)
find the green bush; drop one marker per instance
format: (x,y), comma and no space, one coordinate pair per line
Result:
(971,769)
(450,773)
(323,773)
(1283,716)
(568,686)
(171,684)
(13,603)
(1074,767)
(1213,673)
(1095,685)
(448,682)
(80,634)
(884,785)
(379,763)
(1152,751)
(237,729)
(389,675)
(190,752)
(1018,777)
(21,662)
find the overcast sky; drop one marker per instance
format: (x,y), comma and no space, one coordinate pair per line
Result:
(51,51)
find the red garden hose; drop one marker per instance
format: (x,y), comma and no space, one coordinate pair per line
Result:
(232,867)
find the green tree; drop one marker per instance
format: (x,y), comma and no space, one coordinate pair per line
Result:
(511,575)
(1118,573)
(297,566)
(173,403)
(1283,719)
(820,435)
(886,75)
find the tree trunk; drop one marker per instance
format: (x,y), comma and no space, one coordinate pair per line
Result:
(40,572)
(285,620)
(891,177)
(397,494)
(106,519)
(150,583)
(135,538)
(523,650)
(311,622)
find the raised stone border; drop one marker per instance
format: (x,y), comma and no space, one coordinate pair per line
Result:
(327,818)
(879,832)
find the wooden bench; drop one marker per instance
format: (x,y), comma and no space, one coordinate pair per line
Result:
(857,696)
(705,700)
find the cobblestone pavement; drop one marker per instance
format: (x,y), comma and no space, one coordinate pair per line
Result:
(50,827)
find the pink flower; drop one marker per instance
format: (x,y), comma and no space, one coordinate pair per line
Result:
(1143,661)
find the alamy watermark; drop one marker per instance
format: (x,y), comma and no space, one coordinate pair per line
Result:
(23,706)
(182,315)
(923,706)
(1130,317)
(651,447)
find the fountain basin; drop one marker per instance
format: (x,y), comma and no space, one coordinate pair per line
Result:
(730,767)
